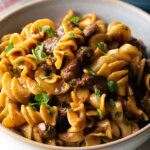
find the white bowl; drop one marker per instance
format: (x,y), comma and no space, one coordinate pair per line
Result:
(108,10)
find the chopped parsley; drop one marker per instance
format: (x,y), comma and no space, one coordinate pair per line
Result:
(112,103)
(72,35)
(39,87)
(66,52)
(101,48)
(84,50)
(71,85)
(63,104)
(50,113)
(40,99)
(9,47)
(48,29)
(112,86)
(48,130)
(99,112)
(34,106)
(74,20)
(38,53)
(97,93)
(128,123)
(91,71)
(15,71)
(45,77)
(125,28)
(20,63)
(118,114)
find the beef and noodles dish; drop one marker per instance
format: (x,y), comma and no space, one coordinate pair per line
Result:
(78,84)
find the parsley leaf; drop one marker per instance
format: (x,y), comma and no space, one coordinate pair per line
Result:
(38,53)
(66,52)
(112,103)
(39,87)
(45,77)
(15,71)
(112,86)
(72,35)
(97,93)
(128,123)
(91,71)
(75,19)
(48,29)
(9,47)
(20,63)
(50,114)
(99,112)
(71,85)
(84,50)
(34,106)
(118,114)
(125,28)
(48,130)
(42,98)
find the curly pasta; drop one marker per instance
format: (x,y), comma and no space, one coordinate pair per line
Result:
(81,84)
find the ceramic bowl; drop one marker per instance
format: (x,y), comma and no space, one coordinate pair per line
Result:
(108,10)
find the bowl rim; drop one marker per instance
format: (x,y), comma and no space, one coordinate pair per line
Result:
(143,130)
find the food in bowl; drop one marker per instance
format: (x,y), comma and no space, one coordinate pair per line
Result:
(79,84)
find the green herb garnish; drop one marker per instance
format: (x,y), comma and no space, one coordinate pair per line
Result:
(101,48)
(75,19)
(128,123)
(99,112)
(41,99)
(48,29)
(48,129)
(125,28)
(39,87)
(45,77)
(50,113)
(112,86)
(38,53)
(97,93)
(15,71)
(63,104)
(84,51)
(66,52)
(9,47)
(20,63)
(91,71)
(112,103)
(72,35)
(118,114)
(71,85)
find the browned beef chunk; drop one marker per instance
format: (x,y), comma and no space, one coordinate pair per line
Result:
(50,44)
(42,128)
(64,98)
(89,30)
(62,123)
(91,82)
(73,69)
(60,31)
(139,45)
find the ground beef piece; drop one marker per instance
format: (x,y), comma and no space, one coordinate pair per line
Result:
(73,69)
(50,44)
(139,44)
(64,98)
(42,128)
(62,123)
(89,30)
(91,82)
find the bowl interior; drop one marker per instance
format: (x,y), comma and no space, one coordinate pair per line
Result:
(108,10)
